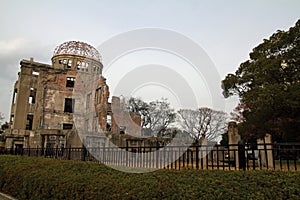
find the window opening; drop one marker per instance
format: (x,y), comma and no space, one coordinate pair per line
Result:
(32,95)
(70,82)
(78,65)
(86,67)
(69,64)
(67,126)
(35,73)
(88,101)
(29,122)
(15,96)
(98,95)
(69,105)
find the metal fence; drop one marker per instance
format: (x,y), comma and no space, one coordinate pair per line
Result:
(283,156)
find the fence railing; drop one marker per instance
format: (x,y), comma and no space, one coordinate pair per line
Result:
(230,157)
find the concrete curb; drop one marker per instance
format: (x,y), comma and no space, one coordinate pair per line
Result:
(6,197)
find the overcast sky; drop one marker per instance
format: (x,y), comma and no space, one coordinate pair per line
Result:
(226,30)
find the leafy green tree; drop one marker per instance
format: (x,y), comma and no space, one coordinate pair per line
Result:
(238,113)
(138,106)
(269,85)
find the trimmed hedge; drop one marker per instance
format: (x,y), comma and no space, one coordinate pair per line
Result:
(42,178)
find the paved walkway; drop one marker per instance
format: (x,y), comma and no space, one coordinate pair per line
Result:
(6,197)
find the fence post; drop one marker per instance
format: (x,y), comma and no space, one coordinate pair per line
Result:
(42,150)
(197,156)
(103,153)
(84,151)
(69,153)
(28,151)
(37,151)
(217,156)
(254,157)
(56,152)
(157,154)
(127,149)
(241,153)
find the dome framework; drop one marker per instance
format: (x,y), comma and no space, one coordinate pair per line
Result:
(77,48)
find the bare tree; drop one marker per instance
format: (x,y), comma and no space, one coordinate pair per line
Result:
(161,115)
(203,122)
(1,117)
(156,115)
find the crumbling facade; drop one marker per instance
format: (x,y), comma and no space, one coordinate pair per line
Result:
(45,98)
(65,104)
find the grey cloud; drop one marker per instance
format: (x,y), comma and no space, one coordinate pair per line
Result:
(11,53)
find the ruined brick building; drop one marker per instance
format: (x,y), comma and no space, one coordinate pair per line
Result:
(51,104)
(43,101)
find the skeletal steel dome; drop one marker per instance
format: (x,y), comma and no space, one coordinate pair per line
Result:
(77,48)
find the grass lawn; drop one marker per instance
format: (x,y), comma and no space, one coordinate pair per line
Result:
(42,178)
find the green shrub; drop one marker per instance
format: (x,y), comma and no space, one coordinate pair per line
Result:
(42,178)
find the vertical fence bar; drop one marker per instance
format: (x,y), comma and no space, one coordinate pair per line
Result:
(164,157)
(273,154)
(295,157)
(234,158)
(253,158)
(206,157)
(266,155)
(212,159)
(127,149)
(197,156)
(157,155)
(188,157)
(203,158)
(28,151)
(218,157)
(223,158)
(229,159)
(174,156)
(260,158)
(192,158)
(179,157)
(69,154)
(37,151)
(183,159)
